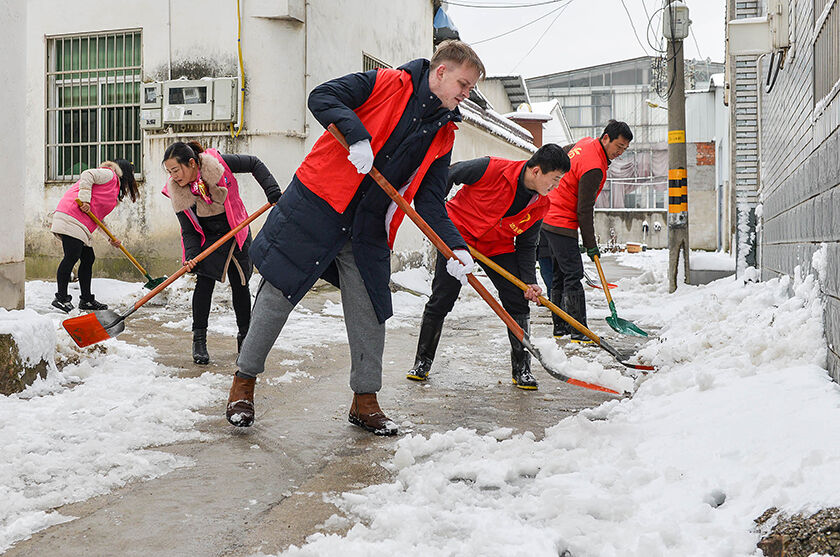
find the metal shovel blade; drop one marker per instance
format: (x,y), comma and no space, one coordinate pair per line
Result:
(91,328)
(526,342)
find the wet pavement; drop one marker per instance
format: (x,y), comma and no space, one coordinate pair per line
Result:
(262,488)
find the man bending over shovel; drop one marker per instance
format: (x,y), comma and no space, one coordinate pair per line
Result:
(498,211)
(334,222)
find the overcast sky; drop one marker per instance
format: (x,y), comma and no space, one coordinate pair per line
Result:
(578,33)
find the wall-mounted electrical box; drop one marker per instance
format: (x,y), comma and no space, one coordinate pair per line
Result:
(151,115)
(759,35)
(188,101)
(675,22)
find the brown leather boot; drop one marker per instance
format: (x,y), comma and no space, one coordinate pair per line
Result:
(365,413)
(240,408)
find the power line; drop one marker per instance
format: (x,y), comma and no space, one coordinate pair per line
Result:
(633,26)
(502,6)
(541,36)
(521,26)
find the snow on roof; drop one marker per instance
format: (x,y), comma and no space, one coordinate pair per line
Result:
(536,116)
(497,124)
(545,106)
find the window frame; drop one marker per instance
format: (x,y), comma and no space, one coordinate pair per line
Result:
(117,113)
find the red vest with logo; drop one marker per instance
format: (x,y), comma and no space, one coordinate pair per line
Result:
(328,174)
(478,209)
(586,155)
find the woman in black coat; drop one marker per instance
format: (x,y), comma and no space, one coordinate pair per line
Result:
(205,197)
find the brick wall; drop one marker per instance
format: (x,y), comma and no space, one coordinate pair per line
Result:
(800,173)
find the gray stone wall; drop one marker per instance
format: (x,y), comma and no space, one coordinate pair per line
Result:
(702,193)
(800,178)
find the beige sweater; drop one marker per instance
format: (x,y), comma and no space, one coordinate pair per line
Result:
(62,223)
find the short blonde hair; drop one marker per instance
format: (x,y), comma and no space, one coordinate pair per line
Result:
(458,52)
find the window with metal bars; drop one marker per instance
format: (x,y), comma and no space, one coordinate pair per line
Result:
(826,47)
(93,102)
(371,63)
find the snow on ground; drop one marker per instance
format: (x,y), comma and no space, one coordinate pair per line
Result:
(732,423)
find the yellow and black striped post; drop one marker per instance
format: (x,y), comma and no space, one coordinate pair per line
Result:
(677,197)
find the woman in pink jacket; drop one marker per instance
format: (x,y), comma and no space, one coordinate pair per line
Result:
(99,190)
(205,198)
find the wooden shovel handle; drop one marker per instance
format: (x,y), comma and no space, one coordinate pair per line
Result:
(434,238)
(202,255)
(603,279)
(543,300)
(104,228)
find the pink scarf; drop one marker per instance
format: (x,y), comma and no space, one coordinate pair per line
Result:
(199,188)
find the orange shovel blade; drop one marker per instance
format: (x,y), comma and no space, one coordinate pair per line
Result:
(85,329)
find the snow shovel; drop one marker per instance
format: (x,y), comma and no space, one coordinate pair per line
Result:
(152,282)
(520,333)
(560,313)
(618,324)
(104,324)
(590,282)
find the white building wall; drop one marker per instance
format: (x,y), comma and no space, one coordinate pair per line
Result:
(494,91)
(284,59)
(12,99)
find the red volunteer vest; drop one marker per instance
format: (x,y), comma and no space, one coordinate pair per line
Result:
(586,155)
(478,209)
(327,173)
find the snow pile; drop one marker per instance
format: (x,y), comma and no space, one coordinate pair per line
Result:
(731,424)
(581,369)
(84,431)
(33,334)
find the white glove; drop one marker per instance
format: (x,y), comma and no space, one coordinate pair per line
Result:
(460,269)
(361,155)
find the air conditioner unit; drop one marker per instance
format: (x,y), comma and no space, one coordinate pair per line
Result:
(759,35)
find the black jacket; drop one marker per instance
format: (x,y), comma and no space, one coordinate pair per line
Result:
(303,234)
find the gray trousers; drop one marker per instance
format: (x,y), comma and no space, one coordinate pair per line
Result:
(366,335)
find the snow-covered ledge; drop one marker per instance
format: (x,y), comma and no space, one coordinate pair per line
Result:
(27,348)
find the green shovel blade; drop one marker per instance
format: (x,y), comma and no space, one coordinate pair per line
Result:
(154,283)
(623,326)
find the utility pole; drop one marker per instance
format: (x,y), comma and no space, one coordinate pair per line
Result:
(675,24)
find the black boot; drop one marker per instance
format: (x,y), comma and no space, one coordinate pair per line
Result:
(91,304)
(520,358)
(200,355)
(574,303)
(561,328)
(427,344)
(62,302)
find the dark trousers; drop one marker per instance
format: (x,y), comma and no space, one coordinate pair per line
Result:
(75,250)
(566,289)
(547,271)
(445,288)
(203,295)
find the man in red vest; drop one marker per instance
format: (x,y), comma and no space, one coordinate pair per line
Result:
(498,211)
(334,222)
(573,207)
